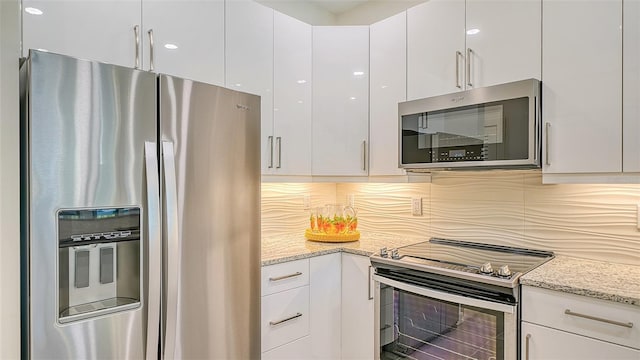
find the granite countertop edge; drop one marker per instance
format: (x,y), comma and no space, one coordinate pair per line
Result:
(308,255)
(590,278)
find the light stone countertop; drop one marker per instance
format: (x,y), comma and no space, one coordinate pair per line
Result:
(596,279)
(278,249)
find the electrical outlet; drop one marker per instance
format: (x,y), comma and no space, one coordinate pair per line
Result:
(306,202)
(351,200)
(416,206)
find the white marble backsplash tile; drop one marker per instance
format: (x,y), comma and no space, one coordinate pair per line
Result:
(504,207)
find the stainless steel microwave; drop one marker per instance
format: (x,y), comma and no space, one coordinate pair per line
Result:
(492,127)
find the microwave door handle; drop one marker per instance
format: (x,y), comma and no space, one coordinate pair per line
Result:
(154,246)
(458,56)
(173,248)
(469,82)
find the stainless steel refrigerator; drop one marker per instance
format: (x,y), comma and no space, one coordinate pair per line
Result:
(140,214)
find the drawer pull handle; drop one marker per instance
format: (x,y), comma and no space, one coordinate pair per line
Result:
(297,273)
(627,325)
(274,323)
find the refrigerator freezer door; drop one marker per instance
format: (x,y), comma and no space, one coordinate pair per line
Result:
(216,139)
(84,133)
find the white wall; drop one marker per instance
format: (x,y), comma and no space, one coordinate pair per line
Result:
(9,181)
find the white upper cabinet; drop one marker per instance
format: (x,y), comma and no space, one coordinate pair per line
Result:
(292,79)
(249,63)
(188,38)
(94,30)
(340,100)
(456,45)
(631,87)
(388,84)
(435,44)
(503,41)
(582,86)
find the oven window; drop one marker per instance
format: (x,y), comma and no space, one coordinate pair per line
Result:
(417,327)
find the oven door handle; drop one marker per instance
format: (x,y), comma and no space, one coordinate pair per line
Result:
(439,295)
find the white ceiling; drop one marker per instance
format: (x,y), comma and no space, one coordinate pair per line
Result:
(340,12)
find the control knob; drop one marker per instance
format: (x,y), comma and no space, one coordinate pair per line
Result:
(383,252)
(394,254)
(486,268)
(504,271)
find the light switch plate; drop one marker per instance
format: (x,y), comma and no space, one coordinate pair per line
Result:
(416,206)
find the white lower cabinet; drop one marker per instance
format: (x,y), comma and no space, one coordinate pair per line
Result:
(357,308)
(295,350)
(550,344)
(565,326)
(324,272)
(301,314)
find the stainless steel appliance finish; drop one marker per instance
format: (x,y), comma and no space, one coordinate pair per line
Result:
(444,298)
(91,145)
(492,127)
(216,142)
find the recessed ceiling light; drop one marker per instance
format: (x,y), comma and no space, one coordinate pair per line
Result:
(171,46)
(473,31)
(33,11)
(301,81)
(352,98)
(358,73)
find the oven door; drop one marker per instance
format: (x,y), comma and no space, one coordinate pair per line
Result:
(416,322)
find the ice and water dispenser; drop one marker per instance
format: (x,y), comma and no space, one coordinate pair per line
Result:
(99,261)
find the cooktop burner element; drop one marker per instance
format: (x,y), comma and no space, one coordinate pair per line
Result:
(486,263)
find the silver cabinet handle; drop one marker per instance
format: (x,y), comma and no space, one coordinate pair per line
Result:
(173,247)
(369,281)
(270,138)
(612,322)
(274,323)
(279,148)
(364,155)
(469,52)
(136,33)
(458,56)
(297,273)
(151,67)
(526,346)
(154,267)
(547,128)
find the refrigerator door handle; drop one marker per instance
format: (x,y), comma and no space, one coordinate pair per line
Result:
(154,267)
(173,248)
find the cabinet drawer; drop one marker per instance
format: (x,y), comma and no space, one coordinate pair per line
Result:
(296,350)
(550,344)
(285,276)
(548,308)
(285,317)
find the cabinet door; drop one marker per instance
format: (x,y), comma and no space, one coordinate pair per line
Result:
(435,33)
(388,61)
(292,96)
(631,89)
(582,86)
(188,38)
(503,37)
(550,344)
(249,62)
(340,100)
(357,308)
(92,29)
(324,287)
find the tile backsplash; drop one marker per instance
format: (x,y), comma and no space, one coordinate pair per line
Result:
(502,207)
